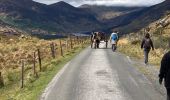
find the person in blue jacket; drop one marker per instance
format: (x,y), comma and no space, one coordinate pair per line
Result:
(113,40)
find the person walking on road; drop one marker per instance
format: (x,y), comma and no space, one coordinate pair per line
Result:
(97,39)
(92,39)
(165,73)
(113,40)
(147,44)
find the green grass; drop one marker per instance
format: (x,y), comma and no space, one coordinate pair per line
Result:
(35,87)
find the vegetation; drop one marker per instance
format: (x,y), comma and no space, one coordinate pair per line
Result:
(131,45)
(14,49)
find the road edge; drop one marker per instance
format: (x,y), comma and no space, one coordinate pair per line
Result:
(47,90)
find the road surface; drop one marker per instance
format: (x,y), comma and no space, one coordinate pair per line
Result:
(100,74)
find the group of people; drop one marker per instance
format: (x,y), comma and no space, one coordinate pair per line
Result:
(146,45)
(96,37)
(164,73)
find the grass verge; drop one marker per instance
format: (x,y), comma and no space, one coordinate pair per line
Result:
(34,88)
(133,49)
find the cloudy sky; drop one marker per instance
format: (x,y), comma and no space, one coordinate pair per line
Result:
(106,2)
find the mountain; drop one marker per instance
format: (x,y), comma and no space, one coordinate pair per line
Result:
(141,19)
(109,12)
(132,19)
(58,17)
(61,17)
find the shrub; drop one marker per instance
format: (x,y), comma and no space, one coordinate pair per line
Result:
(135,42)
(12,76)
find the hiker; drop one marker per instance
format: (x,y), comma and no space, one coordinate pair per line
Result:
(147,44)
(113,40)
(97,39)
(165,72)
(92,39)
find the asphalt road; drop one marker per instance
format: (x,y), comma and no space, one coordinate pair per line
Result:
(100,74)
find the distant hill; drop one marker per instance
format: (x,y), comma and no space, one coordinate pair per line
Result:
(59,17)
(109,12)
(141,19)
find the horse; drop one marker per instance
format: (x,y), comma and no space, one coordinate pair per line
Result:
(96,38)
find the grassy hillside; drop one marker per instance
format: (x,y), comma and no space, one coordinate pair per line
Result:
(59,17)
(104,13)
(139,20)
(130,44)
(14,49)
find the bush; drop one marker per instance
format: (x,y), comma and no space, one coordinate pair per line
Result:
(12,76)
(135,42)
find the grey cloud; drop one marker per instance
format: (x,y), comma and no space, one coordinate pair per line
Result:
(106,2)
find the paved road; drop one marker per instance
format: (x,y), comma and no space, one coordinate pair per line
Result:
(100,75)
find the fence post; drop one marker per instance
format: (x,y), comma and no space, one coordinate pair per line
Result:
(22,73)
(71,43)
(77,40)
(81,42)
(39,59)
(34,62)
(52,50)
(1,80)
(67,45)
(61,49)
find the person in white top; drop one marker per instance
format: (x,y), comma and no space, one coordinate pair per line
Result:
(113,40)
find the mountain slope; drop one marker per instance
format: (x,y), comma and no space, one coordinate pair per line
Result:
(60,17)
(63,18)
(144,17)
(109,12)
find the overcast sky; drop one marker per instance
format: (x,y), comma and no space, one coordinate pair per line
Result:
(106,2)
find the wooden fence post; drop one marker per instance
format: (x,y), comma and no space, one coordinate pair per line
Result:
(77,40)
(81,42)
(52,50)
(34,65)
(1,80)
(61,49)
(67,45)
(74,42)
(39,59)
(22,73)
(71,43)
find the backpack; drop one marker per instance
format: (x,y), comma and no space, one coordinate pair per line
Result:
(147,44)
(114,37)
